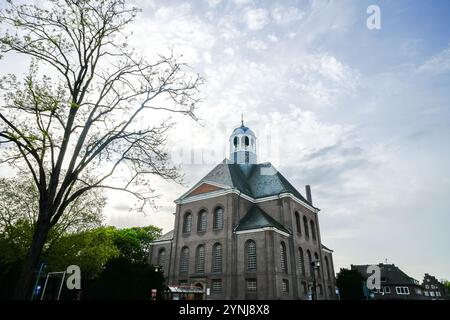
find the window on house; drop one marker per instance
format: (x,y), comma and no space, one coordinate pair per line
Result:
(316,258)
(305,225)
(251,255)
(235,141)
(162,258)
(184,260)
(387,289)
(313,230)
(309,261)
(251,285)
(216,285)
(200,259)
(283,259)
(247,141)
(297,222)
(285,286)
(187,223)
(218,219)
(201,222)
(217,258)
(301,261)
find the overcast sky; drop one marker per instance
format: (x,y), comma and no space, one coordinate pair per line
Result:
(361,115)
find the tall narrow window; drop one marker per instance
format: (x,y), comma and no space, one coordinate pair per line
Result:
(309,261)
(162,258)
(235,141)
(218,219)
(283,259)
(217,258)
(327,266)
(297,222)
(201,221)
(250,255)
(187,223)
(301,261)
(313,230)
(200,259)
(316,258)
(184,260)
(247,141)
(305,225)
(285,286)
(251,285)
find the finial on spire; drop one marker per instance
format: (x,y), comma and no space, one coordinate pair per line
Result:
(242,119)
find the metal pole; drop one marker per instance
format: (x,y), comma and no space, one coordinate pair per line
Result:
(45,286)
(60,287)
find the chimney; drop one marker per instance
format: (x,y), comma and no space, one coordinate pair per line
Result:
(308,194)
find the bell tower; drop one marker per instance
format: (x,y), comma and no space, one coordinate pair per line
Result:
(243,145)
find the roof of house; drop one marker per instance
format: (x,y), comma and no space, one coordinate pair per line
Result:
(165,237)
(390,274)
(256,218)
(257,180)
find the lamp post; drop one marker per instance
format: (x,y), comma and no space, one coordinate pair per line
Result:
(315,265)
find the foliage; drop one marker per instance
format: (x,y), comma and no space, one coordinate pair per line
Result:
(350,284)
(124,279)
(76,127)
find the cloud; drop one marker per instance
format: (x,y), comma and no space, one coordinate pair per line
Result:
(256,19)
(438,64)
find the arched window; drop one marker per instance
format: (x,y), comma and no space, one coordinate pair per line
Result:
(200,259)
(247,141)
(298,223)
(187,223)
(218,219)
(313,230)
(316,258)
(217,258)
(184,260)
(250,252)
(305,225)
(327,266)
(236,141)
(283,258)
(309,261)
(201,221)
(162,258)
(301,261)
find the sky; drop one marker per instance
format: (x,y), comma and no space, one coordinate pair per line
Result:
(361,115)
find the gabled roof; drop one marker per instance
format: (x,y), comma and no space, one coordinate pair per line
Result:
(390,274)
(256,218)
(256,181)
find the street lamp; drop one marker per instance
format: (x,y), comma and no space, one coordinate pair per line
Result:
(315,264)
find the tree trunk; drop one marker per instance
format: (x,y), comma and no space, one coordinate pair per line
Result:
(27,276)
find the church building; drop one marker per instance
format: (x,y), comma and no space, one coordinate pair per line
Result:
(244,232)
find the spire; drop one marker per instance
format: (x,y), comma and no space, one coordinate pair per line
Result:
(242,119)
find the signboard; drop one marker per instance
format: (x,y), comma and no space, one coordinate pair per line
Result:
(154,291)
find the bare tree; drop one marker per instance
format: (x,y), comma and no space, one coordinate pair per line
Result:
(75,127)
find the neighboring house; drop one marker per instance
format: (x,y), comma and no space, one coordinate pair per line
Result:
(433,289)
(395,284)
(245,232)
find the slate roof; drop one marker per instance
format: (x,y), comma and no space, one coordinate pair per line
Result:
(255,180)
(390,274)
(256,218)
(165,237)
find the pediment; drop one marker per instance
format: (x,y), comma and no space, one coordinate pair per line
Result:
(203,188)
